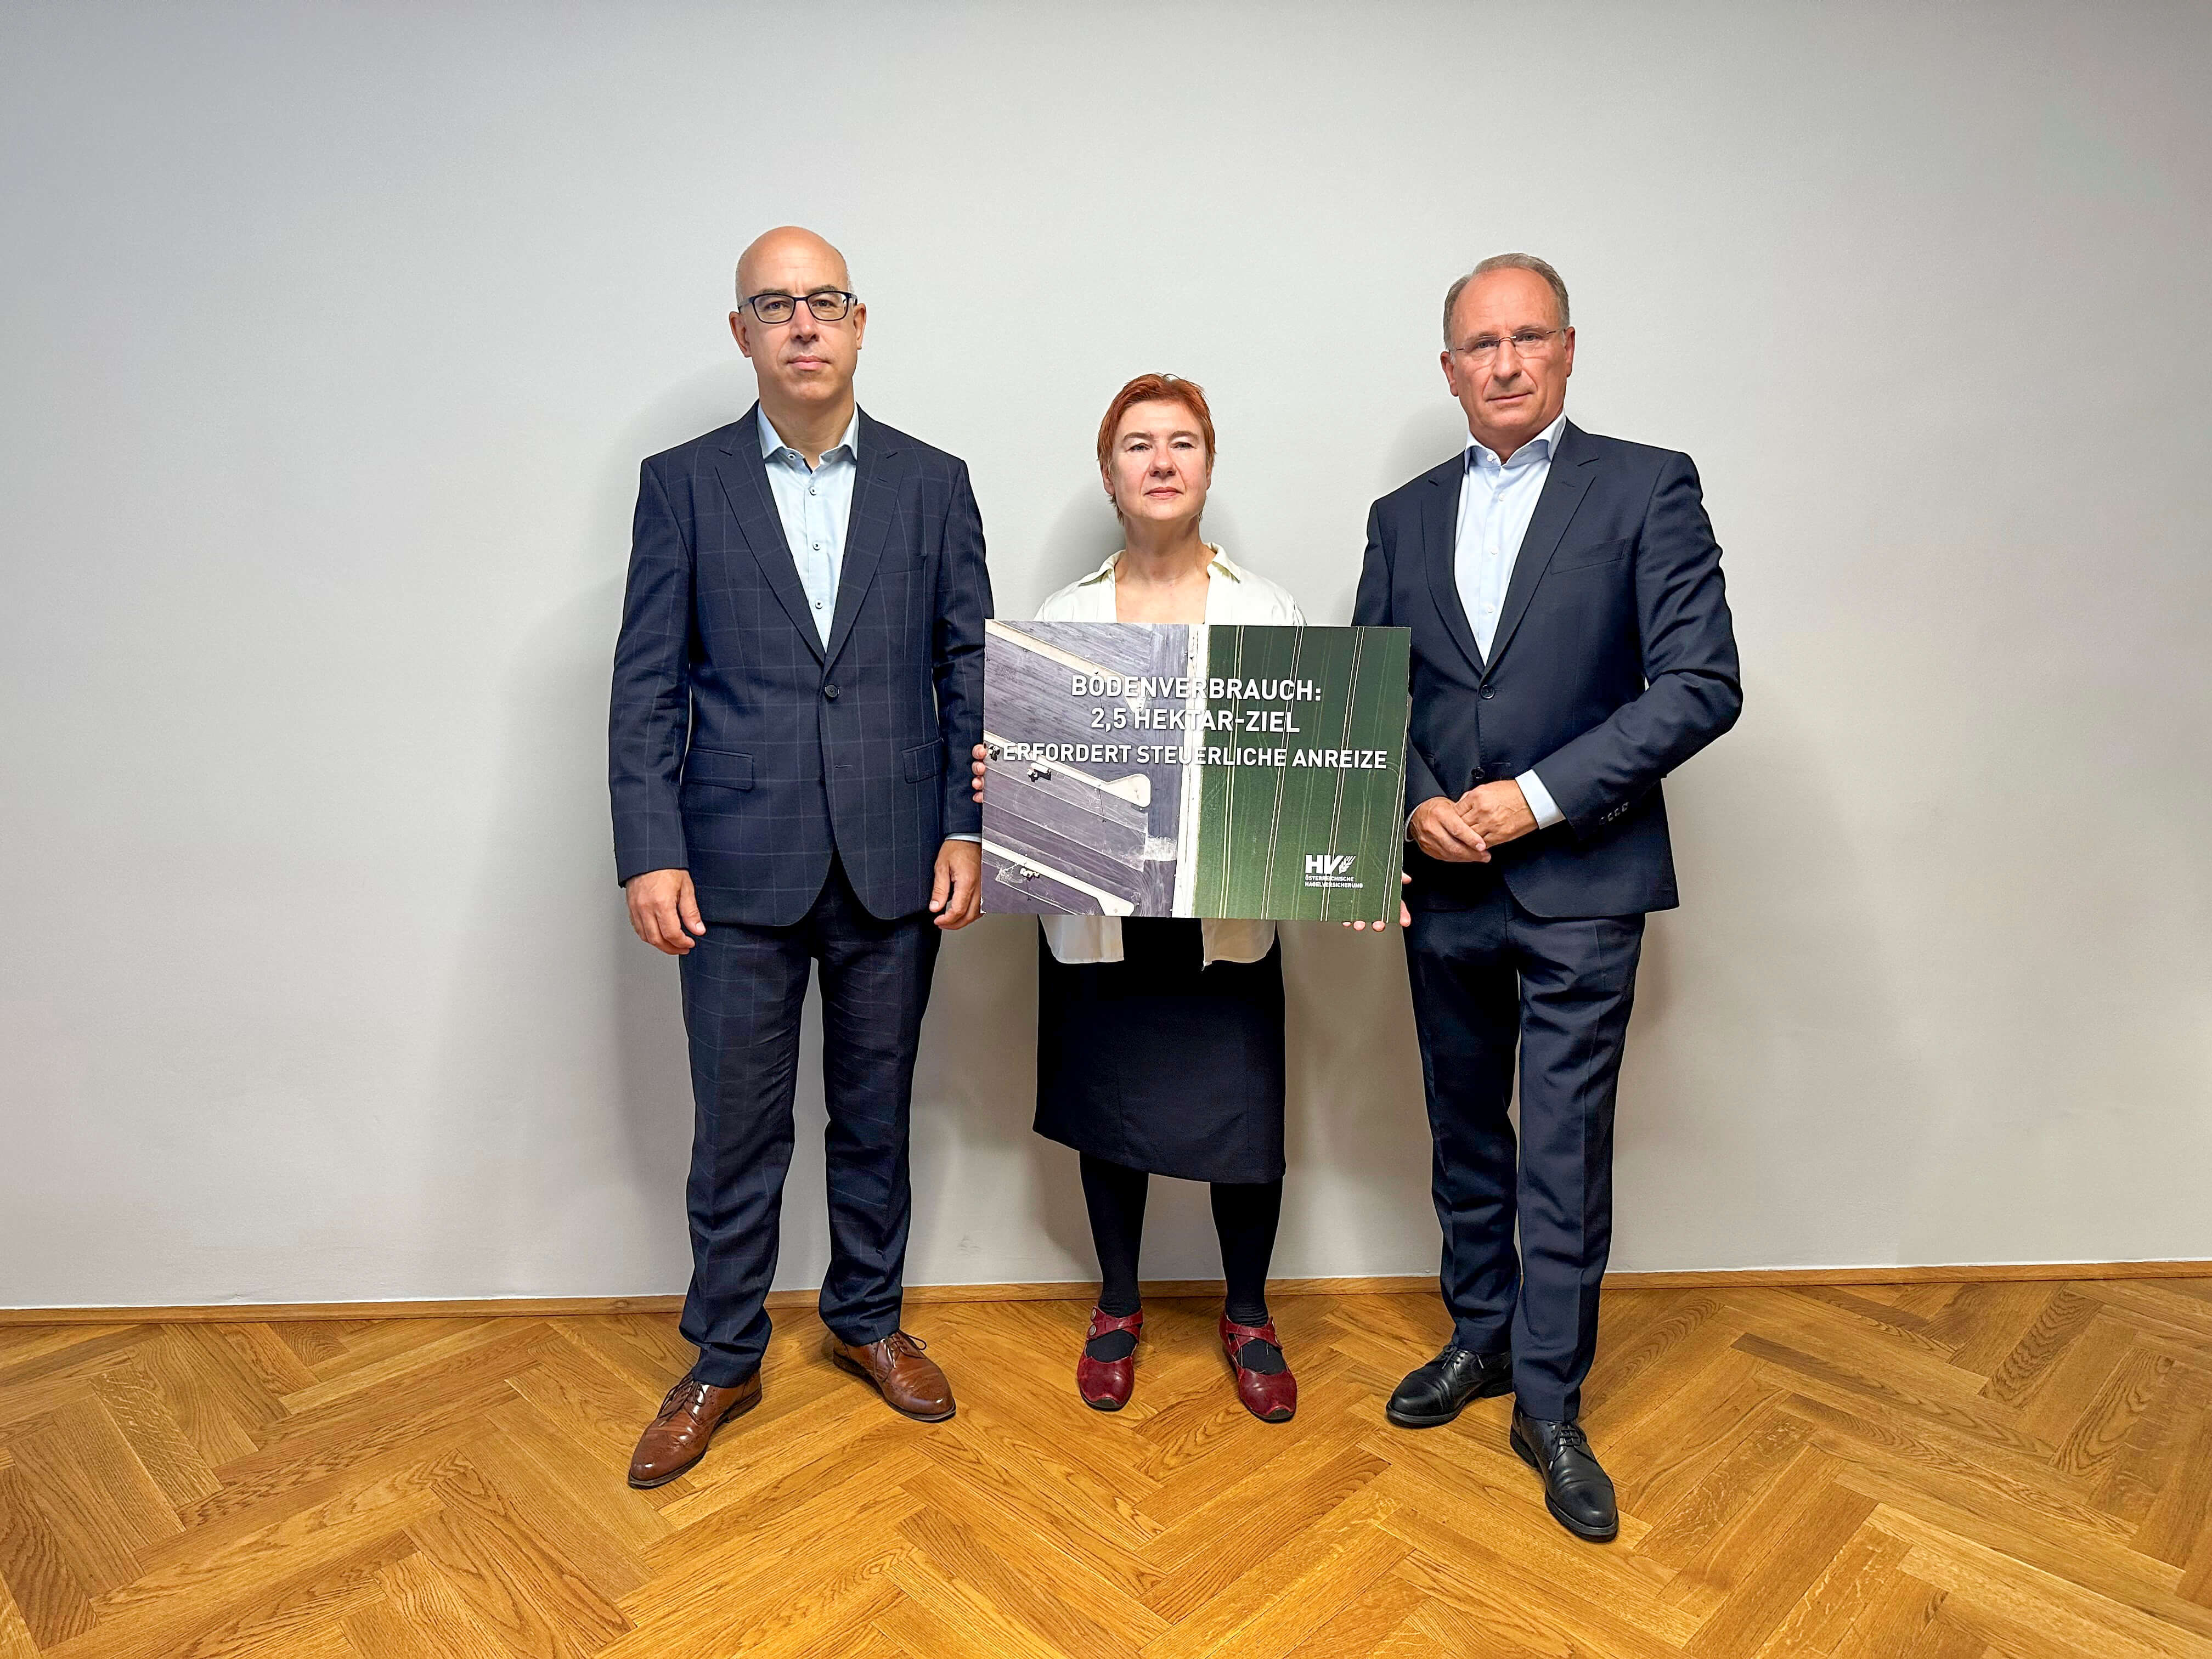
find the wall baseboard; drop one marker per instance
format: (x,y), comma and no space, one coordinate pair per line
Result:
(540,1307)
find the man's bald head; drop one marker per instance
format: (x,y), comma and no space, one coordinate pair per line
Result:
(802,362)
(785,250)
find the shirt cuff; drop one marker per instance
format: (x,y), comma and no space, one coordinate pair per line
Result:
(1539,800)
(978,838)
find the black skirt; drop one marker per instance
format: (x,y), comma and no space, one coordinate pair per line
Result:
(1156,1063)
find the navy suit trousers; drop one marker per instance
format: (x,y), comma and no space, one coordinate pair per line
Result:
(743,986)
(1488,979)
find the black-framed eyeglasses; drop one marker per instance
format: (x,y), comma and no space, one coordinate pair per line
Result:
(829,305)
(1525,342)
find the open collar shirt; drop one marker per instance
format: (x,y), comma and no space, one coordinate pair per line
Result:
(1497,499)
(815,503)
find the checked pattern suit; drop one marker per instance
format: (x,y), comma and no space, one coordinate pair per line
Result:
(793,747)
(807,788)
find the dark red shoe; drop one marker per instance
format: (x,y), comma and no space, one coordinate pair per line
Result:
(1270,1395)
(1105,1384)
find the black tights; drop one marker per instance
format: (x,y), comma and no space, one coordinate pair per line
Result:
(1244,1217)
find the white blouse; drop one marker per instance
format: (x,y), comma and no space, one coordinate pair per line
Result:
(1232,595)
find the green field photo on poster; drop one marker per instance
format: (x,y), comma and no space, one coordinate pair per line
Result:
(1319,836)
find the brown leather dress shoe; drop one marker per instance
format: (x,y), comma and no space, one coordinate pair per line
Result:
(677,1438)
(908,1380)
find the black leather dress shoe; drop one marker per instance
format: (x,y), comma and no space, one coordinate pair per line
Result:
(1438,1392)
(1578,1493)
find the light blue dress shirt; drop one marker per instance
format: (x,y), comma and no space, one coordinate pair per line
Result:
(1496,501)
(815,504)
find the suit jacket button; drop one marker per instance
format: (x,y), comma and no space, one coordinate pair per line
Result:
(830,692)
(1489,691)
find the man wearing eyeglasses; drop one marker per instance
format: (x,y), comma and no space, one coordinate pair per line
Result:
(802,648)
(1572,645)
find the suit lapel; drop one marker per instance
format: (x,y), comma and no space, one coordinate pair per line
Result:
(744,483)
(1555,510)
(1440,552)
(875,501)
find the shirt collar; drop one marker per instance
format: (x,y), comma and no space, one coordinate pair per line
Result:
(770,443)
(1548,439)
(1221,561)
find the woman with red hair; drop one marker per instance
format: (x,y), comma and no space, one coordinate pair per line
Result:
(1160,1040)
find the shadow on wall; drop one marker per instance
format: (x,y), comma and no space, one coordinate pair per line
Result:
(1355,1105)
(563,1074)
(1802,1013)
(563,1080)
(974,1098)
(1084,534)
(1357,1199)
(1426,440)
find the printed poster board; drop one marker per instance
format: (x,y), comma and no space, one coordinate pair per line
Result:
(1173,770)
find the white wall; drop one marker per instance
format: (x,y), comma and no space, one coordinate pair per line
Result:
(334,336)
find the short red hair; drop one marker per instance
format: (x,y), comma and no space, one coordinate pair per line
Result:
(1156,389)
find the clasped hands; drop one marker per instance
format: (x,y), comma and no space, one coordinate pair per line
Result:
(1463,831)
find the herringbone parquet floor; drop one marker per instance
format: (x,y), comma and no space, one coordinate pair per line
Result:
(1932,1472)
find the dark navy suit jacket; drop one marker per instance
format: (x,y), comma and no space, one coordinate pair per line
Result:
(742,750)
(1614,662)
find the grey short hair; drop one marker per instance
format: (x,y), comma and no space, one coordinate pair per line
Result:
(1508,262)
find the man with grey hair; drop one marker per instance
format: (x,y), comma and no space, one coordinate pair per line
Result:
(1572,647)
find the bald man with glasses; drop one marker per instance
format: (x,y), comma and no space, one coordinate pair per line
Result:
(801,650)
(1572,645)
